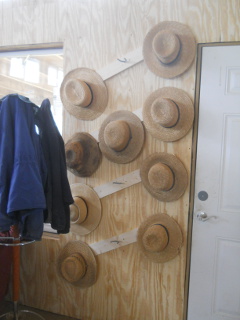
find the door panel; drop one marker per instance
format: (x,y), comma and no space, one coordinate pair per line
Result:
(214,287)
(226,270)
(229,196)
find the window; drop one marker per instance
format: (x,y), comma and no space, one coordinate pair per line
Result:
(36,74)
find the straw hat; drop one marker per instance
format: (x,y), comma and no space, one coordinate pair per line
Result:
(86,211)
(84,94)
(159,237)
(169,49)
(168,113)
(77,264)
(121,136)
(164,176)
(82,154)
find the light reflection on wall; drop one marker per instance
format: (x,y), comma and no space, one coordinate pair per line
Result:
(36,74)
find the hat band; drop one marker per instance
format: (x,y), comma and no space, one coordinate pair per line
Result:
(165,112)
(173,181)
(74,154)
(91,95)
(75,260)
(159,224)
(172,61)
(125,147)
(155,238)
(117,135)
(81,258)
(178,113)
(78,211)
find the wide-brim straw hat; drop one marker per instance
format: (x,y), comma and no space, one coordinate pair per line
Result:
(164,176)
(84,93)
(159,238)
(121,136)
(77,264)
(169,49)
(83,155)
(168,114)
(86,211)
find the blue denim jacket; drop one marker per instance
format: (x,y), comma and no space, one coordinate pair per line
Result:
(22,168)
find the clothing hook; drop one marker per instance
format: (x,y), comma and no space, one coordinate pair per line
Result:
(124,60)
(115,241)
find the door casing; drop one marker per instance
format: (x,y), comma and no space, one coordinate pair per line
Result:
(193,162)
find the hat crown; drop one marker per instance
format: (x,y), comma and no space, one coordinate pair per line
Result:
(117,135)
(73,268)
(78,93)
(166,46)
(160,177)
(78,211)
(165,112)
(155,238)
(74,154)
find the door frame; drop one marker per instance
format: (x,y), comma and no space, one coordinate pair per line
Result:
(200,46)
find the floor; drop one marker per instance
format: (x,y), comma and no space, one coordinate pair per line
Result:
(8,306)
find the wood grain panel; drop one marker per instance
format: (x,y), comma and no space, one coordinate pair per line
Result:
(32,22)
(50,17)
(7,25)
(76,50)
(1,18)
(94,33)
(42,272)
(103,33)
(229,14)
(17,22)
(208,21)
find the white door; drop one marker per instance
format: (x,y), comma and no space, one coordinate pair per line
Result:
(214,292)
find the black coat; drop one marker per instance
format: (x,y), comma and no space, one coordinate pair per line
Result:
(57,189)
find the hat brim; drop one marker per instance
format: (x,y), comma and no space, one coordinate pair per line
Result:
(94,208)
(99,92)
(186,114)
(135,144)
(184,58)
(178,169)
(82,248)
(174,237)
(91,154)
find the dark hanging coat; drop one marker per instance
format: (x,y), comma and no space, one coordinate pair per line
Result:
(58,193)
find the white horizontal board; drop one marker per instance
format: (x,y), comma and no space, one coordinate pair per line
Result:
(121,64)
(114,242)
(118,184)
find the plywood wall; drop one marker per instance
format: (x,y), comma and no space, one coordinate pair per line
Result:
(94,33)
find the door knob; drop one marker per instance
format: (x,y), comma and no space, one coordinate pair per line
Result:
(202,216)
